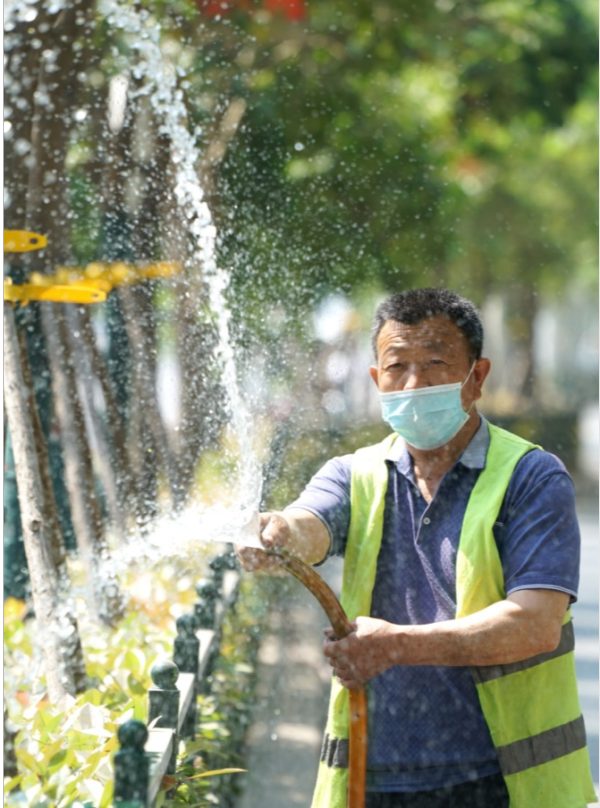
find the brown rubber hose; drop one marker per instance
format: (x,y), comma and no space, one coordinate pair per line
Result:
(357,762)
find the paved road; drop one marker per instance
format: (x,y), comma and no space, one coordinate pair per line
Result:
(285,738)
(291,708)
(585,618)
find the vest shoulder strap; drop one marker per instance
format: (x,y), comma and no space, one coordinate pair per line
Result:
(367,498)
(479,575)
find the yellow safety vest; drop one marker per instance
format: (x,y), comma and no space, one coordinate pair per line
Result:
(531,707)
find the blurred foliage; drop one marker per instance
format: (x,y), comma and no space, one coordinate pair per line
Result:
(384,144)
(63,751)
(305,454)
(395,144)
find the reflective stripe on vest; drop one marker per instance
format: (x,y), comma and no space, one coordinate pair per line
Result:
(490,672)
(542,748)
(544,759)
(335,752)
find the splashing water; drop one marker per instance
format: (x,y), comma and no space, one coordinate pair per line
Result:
(179,534)
(237,523)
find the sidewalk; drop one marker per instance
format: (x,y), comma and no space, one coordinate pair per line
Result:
(284,741)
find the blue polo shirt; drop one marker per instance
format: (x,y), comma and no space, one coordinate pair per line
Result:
(426,728)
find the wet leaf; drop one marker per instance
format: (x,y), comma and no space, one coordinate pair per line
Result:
(107,795)
(51,722)
(216,772)
(168,782)
(26,759)
(12,783)
(54,754)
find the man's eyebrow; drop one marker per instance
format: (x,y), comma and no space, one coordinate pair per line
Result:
(435,344)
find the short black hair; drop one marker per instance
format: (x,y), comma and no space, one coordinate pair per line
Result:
(415,305)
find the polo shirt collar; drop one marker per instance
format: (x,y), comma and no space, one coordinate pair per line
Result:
(473,456)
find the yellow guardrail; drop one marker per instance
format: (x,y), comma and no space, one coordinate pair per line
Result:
(53,293)
(88,284)
(23,241)
(117,273)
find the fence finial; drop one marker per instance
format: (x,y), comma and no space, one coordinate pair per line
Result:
(163,701)
(131,765)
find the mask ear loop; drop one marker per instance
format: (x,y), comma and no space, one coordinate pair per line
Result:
(465,381)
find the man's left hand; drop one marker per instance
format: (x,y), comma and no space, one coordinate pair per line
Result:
(361,655)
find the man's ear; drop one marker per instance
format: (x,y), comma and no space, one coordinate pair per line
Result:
(480,373)
(374,374)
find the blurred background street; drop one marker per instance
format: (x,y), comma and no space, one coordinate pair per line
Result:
(585,615)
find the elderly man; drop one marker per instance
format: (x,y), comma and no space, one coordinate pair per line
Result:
(461,556)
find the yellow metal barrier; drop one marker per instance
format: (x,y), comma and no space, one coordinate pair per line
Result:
(23,241)
(54,293)
(88,284)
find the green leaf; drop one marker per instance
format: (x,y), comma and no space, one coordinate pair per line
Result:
(107,795)
(51,750)
(135,686)
(133,661)
(195,746)
(92,762)
(93,696)
(27,760)
(57,759)
(12,783)
(215,772)
(111,744)
(72,787)
(29,780)
(94,788)
(51,722)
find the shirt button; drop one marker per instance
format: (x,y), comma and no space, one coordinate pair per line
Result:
(426,520)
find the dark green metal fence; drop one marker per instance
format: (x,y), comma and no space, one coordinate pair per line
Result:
(148,753)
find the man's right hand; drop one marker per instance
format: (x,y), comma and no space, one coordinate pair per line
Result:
(274,533)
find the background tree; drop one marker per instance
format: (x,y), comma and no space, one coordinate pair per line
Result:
(343,146)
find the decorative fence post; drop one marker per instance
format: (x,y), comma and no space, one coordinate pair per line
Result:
(163,702)
(131,766)
(172,700)
(10,759)
(186,655)
(205,607)
(205,611)
(220,563)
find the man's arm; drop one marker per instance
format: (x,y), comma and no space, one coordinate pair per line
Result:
(297,531)
(527,623)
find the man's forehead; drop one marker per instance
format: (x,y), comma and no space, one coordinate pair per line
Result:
(433,332)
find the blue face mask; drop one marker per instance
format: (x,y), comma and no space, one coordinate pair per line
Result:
(427,417)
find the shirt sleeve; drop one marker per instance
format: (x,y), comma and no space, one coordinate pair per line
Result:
(537,530)
(327,496)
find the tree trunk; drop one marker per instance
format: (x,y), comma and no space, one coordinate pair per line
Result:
(141,329)
(85,384)
(114,417)
(54,611)
(55,538)
(57,96)
(106,600)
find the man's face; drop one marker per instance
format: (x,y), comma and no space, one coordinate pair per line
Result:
(434,351)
